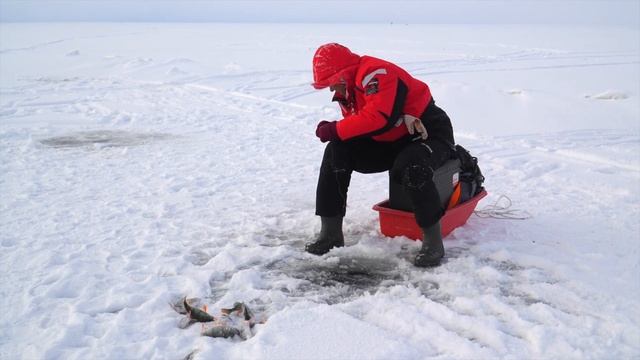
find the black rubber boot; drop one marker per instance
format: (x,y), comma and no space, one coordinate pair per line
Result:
(432,249)
(330,236)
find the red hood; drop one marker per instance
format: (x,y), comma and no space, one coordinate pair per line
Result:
(330,62)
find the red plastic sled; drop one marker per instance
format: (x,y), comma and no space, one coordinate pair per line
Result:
(402,223)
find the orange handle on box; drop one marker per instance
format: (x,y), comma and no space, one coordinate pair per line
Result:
(455,197)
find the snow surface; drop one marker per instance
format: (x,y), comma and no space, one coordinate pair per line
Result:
(143,162)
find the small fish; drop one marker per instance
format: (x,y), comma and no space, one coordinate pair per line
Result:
(223,332)
(240,309)
(197,314)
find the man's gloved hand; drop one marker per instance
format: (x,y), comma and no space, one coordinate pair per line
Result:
(327,131)
(413,125)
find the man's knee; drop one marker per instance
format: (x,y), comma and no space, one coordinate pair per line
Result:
(413,167)
(336,157)
(417,176)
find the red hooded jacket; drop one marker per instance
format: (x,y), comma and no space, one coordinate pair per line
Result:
(383,93)
(378,94)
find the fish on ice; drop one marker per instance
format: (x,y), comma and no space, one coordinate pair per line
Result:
(235,321)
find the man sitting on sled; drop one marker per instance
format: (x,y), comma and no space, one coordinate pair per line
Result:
(390,122)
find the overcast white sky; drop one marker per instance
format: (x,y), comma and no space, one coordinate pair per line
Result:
(586,12)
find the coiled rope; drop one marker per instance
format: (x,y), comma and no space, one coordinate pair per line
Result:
(501,209)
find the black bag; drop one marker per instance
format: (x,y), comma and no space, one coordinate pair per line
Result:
(471,178)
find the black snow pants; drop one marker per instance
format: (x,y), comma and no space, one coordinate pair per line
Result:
(410,163)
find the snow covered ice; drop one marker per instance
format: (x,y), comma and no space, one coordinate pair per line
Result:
(140,163)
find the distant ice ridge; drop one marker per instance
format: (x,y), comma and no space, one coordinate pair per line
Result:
(609,95)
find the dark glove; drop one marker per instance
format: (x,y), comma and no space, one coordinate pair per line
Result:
(327,131)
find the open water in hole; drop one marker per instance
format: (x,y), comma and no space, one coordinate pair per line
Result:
(331,282)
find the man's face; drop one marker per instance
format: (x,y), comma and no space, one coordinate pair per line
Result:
(339,88)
